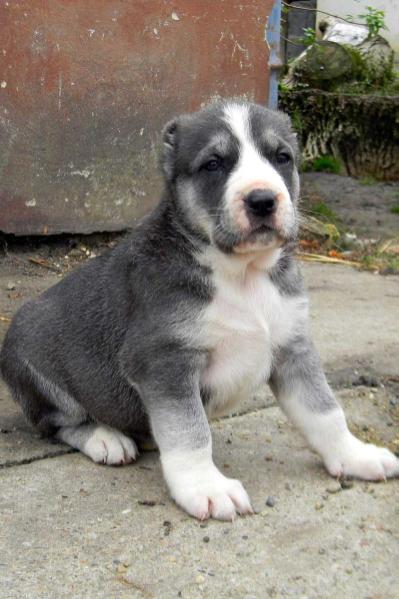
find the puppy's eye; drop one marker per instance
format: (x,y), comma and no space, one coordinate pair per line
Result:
(212,165)
(283,158)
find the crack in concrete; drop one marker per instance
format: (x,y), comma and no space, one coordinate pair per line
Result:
(24,461)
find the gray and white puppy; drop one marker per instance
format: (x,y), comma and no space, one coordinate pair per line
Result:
(198,307)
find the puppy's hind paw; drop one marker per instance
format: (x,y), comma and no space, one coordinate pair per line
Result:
(108,446)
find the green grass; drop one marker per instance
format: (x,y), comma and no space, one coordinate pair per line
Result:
(326,164)
(384,262)
(368,180)
(322,210)
(395,209)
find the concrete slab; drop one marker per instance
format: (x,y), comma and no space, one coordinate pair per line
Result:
(355,317)
(71,528)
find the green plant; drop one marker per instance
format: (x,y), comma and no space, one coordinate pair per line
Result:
(395,209)
(309,36)
(327,164)
(368,180)
(374,18)
(322,210)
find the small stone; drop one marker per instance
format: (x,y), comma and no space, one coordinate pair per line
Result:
(175,16)
(206,539)
(346,484)
(288,486)
(271,501)
(11,286)
(392,402)
(121,569)
(322,551)
(319,506)
(199,579)
(334,487)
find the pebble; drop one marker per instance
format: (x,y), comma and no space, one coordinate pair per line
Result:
(121,569)
(393,402)
(75,252)
(199,579)
(319,506)
(206,539)
(334,487)
(11,286)
(271,501)
(346,484)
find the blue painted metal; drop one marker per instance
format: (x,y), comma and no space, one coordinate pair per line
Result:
(272,35)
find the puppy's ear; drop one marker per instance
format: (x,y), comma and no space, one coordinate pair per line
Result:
(169,148)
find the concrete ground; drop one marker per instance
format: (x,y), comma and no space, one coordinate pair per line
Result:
(70,528)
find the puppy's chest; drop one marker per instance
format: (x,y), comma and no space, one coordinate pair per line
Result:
(241,328)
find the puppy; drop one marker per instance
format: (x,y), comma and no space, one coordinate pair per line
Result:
(197,308)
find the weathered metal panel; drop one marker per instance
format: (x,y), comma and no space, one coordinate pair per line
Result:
(85,88)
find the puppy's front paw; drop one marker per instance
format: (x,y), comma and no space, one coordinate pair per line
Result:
(362,460)
(204,492)
(217,497)
(108,446)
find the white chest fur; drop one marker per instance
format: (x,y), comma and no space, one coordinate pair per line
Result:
(242,327)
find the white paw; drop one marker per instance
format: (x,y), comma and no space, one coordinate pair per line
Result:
(109,446)
(204,492)
(362,460)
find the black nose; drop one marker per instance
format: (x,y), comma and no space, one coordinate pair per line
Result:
(261,202)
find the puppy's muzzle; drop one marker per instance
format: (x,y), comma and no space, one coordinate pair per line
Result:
(260,205)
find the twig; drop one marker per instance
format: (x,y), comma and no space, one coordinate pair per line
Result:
(322,12)
(43,263)
(4,318)
(320,258)
(290,41)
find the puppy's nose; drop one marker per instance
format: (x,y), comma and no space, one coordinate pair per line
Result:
(261,202)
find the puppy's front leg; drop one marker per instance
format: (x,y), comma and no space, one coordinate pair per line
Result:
(301,388)
(171,394)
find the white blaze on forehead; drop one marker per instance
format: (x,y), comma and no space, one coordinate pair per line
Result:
(252,166)
(253,171)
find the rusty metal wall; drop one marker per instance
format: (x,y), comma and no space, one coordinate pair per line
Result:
(85,88)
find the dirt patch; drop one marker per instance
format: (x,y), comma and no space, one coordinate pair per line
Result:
(365,208)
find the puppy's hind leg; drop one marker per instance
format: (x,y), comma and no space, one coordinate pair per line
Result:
(103,444)
(53,411)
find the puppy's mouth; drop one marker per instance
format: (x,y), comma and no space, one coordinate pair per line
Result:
(261,237)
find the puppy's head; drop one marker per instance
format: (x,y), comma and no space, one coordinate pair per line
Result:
(232,170)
